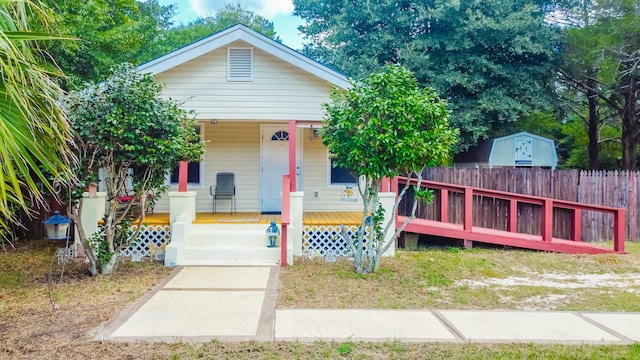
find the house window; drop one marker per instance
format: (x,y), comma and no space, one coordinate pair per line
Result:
(239,64)
(193,170)
(280,136)
(340,175)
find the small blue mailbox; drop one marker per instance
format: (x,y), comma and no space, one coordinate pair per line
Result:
(57,227)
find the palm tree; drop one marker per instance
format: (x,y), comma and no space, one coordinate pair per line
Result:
(34,133)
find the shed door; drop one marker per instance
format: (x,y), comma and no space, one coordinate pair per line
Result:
(274,164)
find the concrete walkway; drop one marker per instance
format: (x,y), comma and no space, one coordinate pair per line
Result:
(198,304)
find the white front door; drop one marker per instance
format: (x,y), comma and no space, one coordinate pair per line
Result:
(274,163)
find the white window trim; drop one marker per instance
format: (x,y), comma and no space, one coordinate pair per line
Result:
(232,79)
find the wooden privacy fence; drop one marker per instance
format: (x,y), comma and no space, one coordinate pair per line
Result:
(603,188)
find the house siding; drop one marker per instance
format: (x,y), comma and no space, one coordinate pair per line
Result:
(316,178)
(235,147)
(231,147)
(279,91)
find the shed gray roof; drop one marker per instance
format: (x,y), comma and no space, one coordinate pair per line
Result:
(478,153)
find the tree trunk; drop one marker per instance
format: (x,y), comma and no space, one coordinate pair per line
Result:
(82,237)
(108,268)
(630,125)
(360,234)
(592,127)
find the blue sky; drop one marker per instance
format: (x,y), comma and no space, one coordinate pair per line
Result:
(280,12)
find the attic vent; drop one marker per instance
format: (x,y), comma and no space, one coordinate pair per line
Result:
(240,64)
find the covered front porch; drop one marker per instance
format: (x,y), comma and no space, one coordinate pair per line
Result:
(241,238)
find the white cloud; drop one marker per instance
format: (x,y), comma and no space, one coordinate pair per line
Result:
(267,8)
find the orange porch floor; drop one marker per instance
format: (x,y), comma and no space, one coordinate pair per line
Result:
(310,218)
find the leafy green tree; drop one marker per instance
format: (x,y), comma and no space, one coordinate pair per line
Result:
(600,66)
(181,35)
(125,127)
(579,74)
(385,126)
(577,156)
(34,132)
(109,31)
(492,60)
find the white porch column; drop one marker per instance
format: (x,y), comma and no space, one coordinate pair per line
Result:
(182,212)
(387,199)
(295,227)
(180,231)
(182,203)
(93,209)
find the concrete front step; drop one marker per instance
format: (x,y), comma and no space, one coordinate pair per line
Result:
(214,262)
(228,235)
(240,240)
(229,244)
(222,255)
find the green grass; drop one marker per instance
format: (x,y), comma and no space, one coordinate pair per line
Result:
(396,350)
(424,279)
(436,278)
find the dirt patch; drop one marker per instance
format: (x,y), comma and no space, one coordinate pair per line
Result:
(561,281)
(470,280)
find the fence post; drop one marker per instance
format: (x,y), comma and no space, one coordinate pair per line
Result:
(547,220)
(513,215)
(468,208)
(631,205)
(576,225)
(619,230)
(468,214)
(444,205)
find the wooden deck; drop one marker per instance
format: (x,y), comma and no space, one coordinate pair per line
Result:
(469,231)
(500,237)
(310,218)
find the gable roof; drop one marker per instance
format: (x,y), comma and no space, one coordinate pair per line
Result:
(254,38)
(528,134)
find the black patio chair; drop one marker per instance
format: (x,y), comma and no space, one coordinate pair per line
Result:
(225,189)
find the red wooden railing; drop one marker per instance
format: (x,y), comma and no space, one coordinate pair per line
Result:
(470,232)
(285,218)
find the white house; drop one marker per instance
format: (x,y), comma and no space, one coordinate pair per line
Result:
(258,105)
(246,90)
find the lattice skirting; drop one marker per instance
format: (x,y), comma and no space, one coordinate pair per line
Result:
(317,241)
(327,241)
(151,242)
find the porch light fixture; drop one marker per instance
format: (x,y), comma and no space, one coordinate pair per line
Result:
(57,227)
(214,121)
(313,134)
